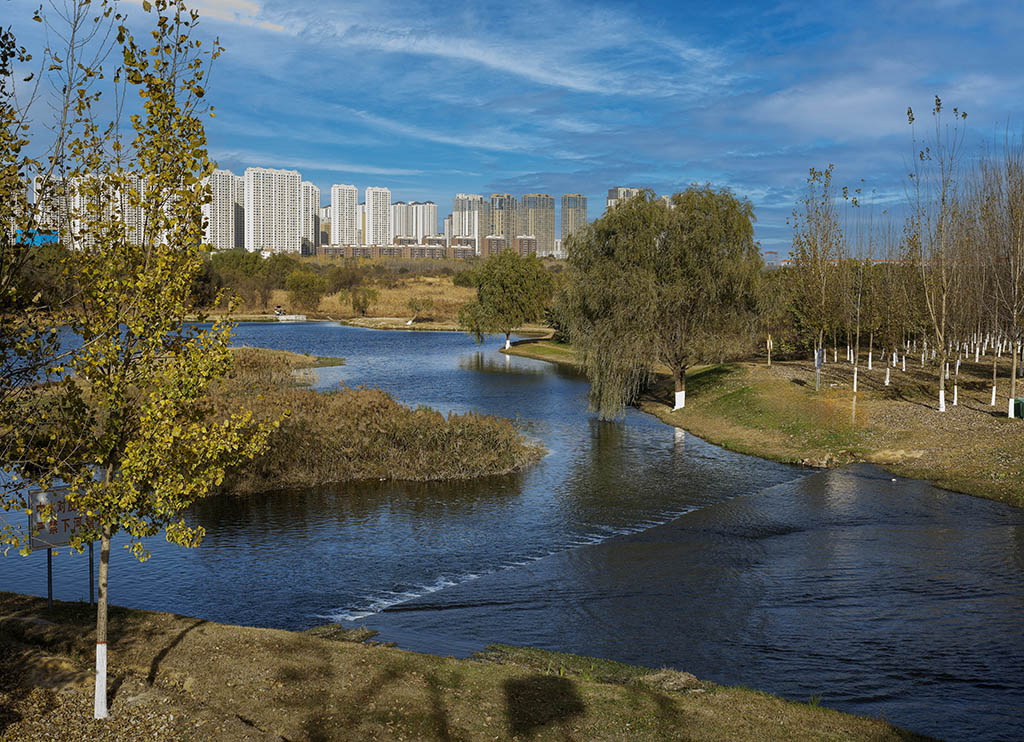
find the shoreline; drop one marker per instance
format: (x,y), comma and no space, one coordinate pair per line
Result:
(175,677)
(773,414)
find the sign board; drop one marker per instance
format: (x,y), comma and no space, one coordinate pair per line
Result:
(56,530)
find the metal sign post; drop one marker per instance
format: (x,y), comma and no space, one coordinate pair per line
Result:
(55,532)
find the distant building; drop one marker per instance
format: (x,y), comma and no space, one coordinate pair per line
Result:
(345,221)
(309,217)
(470,216)
(560,253)
(525,244)
(378,216)
(272,203)
(620,194)
(52,201)
(574,213)
(424,219)
(325,225)
(447,229)
(537,218)
(504,215)
(401,220)
(493,244)
(225,213)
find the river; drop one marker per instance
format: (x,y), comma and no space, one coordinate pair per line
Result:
(630,540)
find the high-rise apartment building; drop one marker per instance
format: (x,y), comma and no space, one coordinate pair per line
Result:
(99,199)
(424,219)
(401,219)
(378,217)
(272,207)
(537,218)
(309,217)
(52,199)
(470,217)
(504,215)
(619,194)
(226,191)
(345,221)
(574,213)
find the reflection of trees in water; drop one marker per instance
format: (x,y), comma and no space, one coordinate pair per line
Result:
(488,364)
(605,473)
(294,511)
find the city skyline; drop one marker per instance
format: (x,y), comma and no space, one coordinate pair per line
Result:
(493,99)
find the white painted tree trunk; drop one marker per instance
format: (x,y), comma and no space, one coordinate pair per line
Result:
(854,379)
(680,400)
(942,400)
(507,344)
(947,369)
(956,396)
(869,360)
(887,369)
(904,361)
(835,355)
(993,402)
(99,708)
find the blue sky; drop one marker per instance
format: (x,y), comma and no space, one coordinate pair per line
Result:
(433,98)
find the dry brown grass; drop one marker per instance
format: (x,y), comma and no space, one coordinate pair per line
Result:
(355,434)
(179,678)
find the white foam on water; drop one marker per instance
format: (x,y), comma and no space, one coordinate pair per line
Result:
(378,602)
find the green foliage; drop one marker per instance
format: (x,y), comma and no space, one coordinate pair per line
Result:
(658,283)
(362,298)
(343,277)
(465,278)
(511,290)
(129,428)
(305,289)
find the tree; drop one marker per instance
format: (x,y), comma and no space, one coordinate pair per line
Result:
(129,429)
(305,288)
(936,227)
(817,247)
(511,290)
(651,283)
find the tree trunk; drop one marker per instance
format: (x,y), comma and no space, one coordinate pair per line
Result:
(942,380)
(769,346)
(994,371)
(1013,377)
(508,342)
(100,699)
(679,377)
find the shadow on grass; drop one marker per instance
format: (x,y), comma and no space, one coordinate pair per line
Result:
(539,700)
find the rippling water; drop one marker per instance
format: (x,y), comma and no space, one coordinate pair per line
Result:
(630,540)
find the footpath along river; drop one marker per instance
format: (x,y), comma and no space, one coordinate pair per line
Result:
(631,541)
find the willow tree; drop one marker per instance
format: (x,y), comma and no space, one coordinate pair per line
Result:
(661,283)
(130,429)
(511,290)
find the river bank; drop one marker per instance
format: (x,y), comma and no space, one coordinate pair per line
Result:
(343,435)
(172,677)
(774,413)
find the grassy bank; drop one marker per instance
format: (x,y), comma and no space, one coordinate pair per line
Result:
(775,413)
(355,434)
(178,678)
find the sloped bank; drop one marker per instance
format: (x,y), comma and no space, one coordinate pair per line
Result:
(178,678)
(774,413)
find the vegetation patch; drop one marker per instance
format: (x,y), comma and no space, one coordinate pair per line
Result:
(354,434)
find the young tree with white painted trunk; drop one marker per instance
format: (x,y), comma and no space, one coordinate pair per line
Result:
(817,249)
(130,430)
(935,227)
(654,283)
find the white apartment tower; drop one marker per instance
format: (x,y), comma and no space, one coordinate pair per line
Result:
(344,215)
(471,217)
(272,202)
(401,219)
(224,215)
(424,219)
(309,217)
(378,217)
